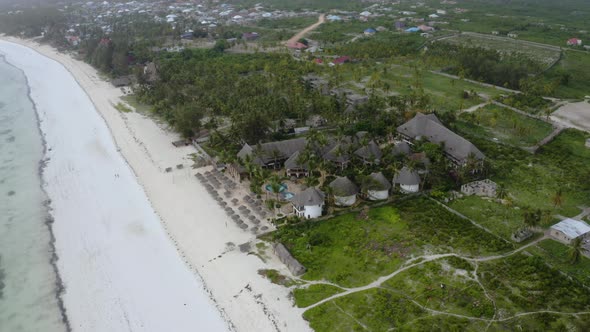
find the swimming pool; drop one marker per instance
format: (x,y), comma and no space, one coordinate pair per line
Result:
(282,188)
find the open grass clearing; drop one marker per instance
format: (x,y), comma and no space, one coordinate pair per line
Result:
(313,293)
(500,124)
(352,252)
(535,180)
(500,219)
(557,255)
(545,55)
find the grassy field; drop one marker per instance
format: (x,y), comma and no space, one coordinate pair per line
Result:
(503,289)
(575,64)
(445,94)
(507,45)
(352,252)
(503,125)
(534,180)
(307,296)
(498,218)
(556,254)
(445,285)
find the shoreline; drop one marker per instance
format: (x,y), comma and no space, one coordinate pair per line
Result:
(48,219)
(224,277)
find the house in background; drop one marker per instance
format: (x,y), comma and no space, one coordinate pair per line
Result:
(370,153)
(408,180)
(308,203)
(512,35)
(369,32)
(574,42)
(250,36)
(344,191)
(569,229)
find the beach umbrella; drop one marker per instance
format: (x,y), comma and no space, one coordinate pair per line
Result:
(235,217)
(229,210)
(255,221)
(235,201)
(252,217)
(223,203)
(263,228)
(246,211)
(243,226)
(254,229)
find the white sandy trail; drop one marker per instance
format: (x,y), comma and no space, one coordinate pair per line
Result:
(199,228)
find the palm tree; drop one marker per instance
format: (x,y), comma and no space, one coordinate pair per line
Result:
(557,199)
(501,193)
(576,250)
(531,218)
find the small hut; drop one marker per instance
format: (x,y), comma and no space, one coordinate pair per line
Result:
(370,153)
(408,180)
(308,203)
(377,187)
(345,191)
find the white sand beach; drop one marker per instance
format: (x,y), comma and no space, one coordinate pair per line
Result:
(119,217)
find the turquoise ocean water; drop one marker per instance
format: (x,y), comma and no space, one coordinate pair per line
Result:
(28,281)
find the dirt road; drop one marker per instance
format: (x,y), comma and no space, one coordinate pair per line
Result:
(303,32)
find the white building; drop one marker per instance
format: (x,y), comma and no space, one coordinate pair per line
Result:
(308,203)
(344,191)
(408,180)
(377,187)
(569,229)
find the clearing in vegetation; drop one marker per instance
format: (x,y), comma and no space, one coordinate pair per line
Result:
(503,125)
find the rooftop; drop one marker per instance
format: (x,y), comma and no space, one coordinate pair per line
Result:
(572,228)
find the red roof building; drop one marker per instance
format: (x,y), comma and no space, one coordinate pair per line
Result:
(341,60)
(297,46)
(574,42)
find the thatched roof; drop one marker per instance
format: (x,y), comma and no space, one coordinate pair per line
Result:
(265,152)
(338,153)
(293,162)
(378,182)
(285,256)
(407,177)
(430,128)
(369,152)
(309,197)
(342,186)
(401,148)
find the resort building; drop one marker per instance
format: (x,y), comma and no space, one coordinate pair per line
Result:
(344,191)
(429,127)
(377,188)
(294,168)
(308,203)
(568,230)
(408,180)
(370,153)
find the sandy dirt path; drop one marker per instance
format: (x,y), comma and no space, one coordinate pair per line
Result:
(303,32)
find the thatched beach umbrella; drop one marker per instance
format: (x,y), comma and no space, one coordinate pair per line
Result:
(234,201)
(242,208)
(235,217)
(264,228)
(243,226)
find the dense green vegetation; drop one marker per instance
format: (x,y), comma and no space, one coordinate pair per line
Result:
(548,182)
(491,66)
(313,293)
(499,289)
(353,252)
